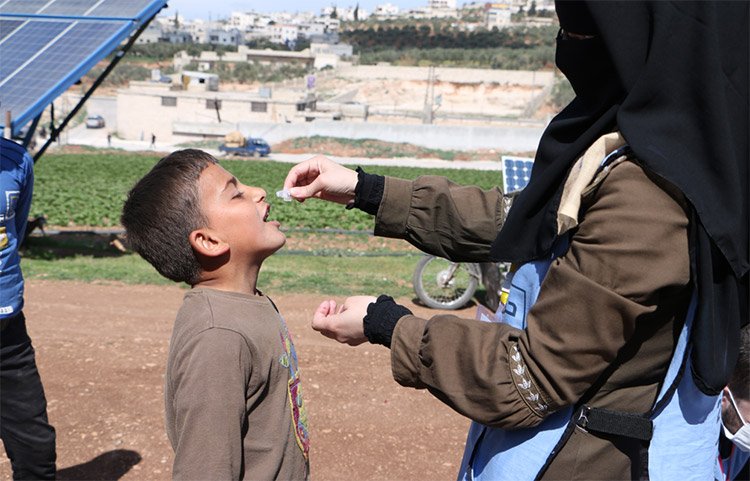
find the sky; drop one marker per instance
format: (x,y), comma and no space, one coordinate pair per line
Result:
(192,9)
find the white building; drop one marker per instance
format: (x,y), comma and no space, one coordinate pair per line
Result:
(225,37)
(441,4)
(198,30)
(152,34)
(386,10)
(159,109)
(339,49)
(498,15)
(282,33)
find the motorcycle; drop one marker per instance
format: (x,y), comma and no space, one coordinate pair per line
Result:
(442,284)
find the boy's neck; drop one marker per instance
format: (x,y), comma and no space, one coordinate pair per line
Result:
(232,279)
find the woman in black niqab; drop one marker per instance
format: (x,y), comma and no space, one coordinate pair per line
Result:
(673,78)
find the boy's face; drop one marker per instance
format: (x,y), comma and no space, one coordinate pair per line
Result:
(238,213)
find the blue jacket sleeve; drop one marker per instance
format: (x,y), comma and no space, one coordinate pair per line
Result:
(24,201)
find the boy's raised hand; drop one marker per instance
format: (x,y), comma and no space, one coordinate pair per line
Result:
(322,178)
(343,323)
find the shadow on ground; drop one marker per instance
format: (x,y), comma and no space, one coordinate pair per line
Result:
(72,244)
(109,466)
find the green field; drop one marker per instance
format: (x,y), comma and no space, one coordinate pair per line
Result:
(87,190)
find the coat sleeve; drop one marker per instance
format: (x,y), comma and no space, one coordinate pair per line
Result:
(626,272)
(440,217)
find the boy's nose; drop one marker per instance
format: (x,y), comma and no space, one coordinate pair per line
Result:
(259,194)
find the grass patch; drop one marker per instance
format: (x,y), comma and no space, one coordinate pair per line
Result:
(89,189)
(357,270)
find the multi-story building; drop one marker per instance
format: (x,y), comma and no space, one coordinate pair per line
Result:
(498,14)
(153,33)
(386,10)
(225,37)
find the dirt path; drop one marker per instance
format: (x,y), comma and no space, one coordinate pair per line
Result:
(101,350)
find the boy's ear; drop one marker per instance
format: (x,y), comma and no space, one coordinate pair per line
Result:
(206,242)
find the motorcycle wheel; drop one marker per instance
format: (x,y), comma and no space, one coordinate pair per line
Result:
(434,287)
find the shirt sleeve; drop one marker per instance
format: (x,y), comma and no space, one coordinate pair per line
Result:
(209,404)
(626,272)
(24,201)
(440,217)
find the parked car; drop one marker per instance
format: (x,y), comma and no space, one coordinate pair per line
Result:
(95,122)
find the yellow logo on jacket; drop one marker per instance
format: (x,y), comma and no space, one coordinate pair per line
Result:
(3,238)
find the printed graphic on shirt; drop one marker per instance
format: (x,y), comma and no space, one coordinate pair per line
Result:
(3,238)
(11,200)
(297,406)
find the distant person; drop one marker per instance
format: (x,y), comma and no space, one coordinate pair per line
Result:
(28,437)
(233,404)
(630,252)
(734,442)
(153,141)
(109,139)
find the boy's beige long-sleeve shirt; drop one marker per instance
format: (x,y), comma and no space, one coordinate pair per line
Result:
(607,315)
(233,405)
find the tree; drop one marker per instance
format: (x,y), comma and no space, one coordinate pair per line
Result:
(356,13)
(334,13)
(532,9)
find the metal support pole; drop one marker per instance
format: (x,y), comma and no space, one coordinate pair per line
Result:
(54,133)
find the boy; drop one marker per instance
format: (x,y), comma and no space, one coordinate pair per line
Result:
(28,437)
(233,405)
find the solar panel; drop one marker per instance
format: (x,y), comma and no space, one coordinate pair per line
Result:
(48,45)
(516,173)
(8,26)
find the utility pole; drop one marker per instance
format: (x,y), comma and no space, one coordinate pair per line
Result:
(429,97)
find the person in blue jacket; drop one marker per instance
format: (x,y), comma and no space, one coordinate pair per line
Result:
(28,437)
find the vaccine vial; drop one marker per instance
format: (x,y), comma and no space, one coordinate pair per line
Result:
(284,194)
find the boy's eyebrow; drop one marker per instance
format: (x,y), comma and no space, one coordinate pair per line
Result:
(232,181)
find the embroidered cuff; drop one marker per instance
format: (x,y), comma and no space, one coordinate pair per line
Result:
(380,321)
(368,193)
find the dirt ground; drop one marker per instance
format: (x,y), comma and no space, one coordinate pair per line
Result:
(102,348)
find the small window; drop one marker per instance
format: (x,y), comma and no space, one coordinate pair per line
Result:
(169,101)
(259,106)
(300,107)
(213,104)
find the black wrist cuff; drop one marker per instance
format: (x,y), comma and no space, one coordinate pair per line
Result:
(380,321)
(368,193)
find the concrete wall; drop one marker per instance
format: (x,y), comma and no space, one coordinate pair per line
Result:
(141,113)
(513,138)
(458,75)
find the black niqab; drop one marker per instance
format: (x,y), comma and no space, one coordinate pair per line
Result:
(673,78)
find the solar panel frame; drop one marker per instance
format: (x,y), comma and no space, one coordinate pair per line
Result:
(142,11)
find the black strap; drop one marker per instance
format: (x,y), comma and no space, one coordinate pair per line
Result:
(614,422)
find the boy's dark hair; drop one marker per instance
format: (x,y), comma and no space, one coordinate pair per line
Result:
(161,211)
(739,382)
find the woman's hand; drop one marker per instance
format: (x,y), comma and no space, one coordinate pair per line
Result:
(322,178)
(343,323)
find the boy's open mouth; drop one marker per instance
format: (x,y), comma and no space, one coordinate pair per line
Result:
(268,211)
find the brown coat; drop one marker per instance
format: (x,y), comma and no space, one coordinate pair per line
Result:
(605,322)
